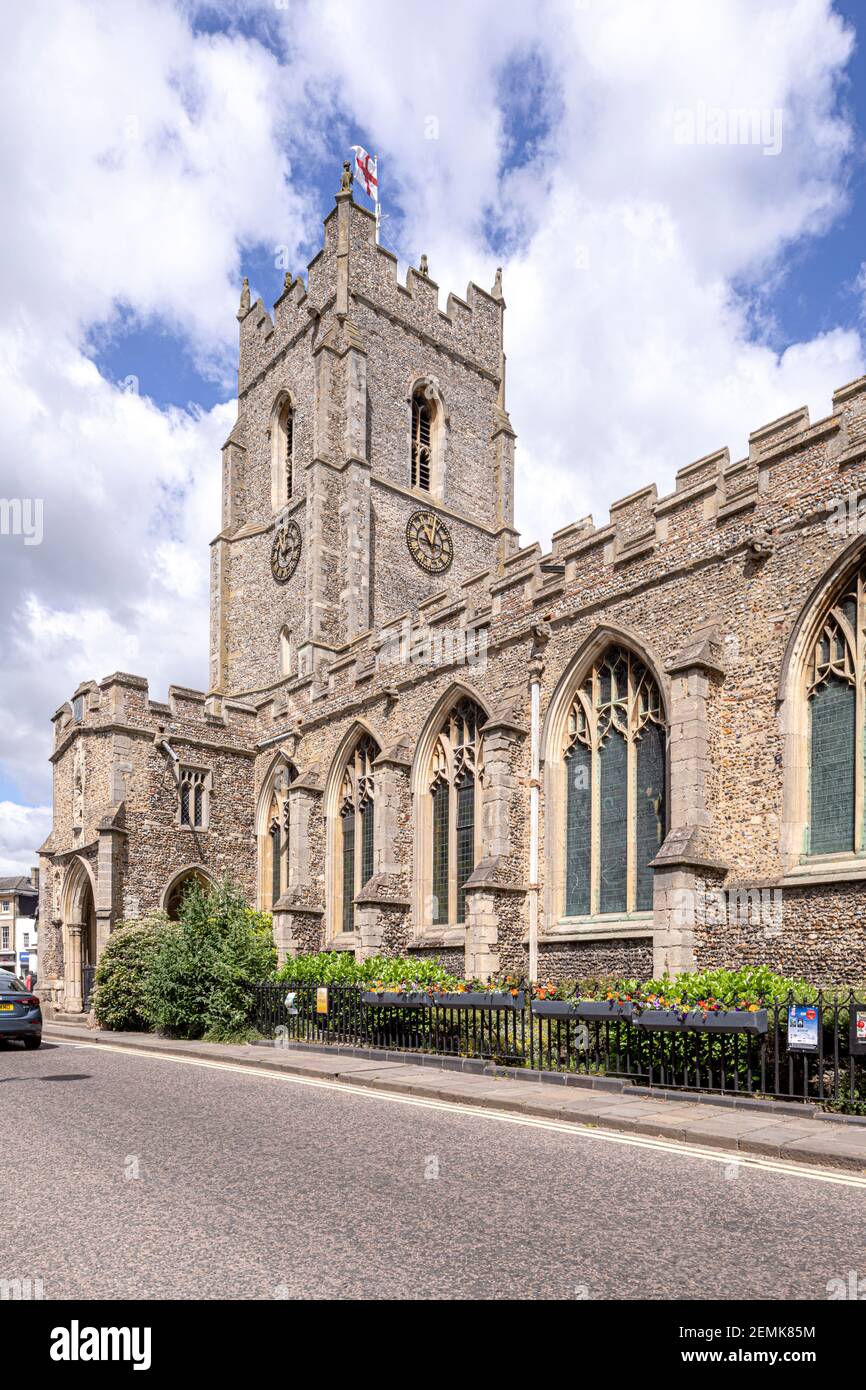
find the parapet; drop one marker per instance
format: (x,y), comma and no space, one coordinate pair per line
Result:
(122,701)
(794,472)
(469,328)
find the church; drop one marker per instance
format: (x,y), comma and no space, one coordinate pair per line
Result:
(638,750)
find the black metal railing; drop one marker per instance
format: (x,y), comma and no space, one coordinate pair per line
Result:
(297,1012)
(831,1067)
(88,977)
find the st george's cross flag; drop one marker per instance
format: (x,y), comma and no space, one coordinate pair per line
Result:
(366,172)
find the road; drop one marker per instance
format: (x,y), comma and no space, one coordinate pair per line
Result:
(133,1177)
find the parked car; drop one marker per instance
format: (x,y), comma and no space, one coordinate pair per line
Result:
(20,1011)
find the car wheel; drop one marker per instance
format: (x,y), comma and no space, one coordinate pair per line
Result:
(32,1043)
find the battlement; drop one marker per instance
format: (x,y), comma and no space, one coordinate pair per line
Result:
(468,328)
(795,471)
(124,699)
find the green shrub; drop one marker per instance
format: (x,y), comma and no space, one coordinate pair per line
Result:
(123,970)
(341,968)
(752,985)
(199,984)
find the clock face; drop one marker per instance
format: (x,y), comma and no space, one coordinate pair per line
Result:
(285,551)
(429,541)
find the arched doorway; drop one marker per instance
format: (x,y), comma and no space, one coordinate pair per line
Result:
(174,893)
(79,936)
(88,945)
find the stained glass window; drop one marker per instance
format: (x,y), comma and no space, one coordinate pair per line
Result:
(454,793)
(357,857)
(835,680)
(615,788)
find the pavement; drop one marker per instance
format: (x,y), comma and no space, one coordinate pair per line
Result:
(793,1131)
(144,1170)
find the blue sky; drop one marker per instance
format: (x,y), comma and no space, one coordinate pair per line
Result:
(663,299)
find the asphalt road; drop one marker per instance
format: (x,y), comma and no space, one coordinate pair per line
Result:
(131,1177)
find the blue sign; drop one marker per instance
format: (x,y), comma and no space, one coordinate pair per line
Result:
(25,957)
(803,1020)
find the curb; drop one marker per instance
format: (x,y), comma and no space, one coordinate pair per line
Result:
(673,1126)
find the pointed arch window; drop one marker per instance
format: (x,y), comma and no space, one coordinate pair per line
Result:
(282,431)
(422,427)
(287,446)
(614,754)
(286,652)
(356,829)
(835,692)
(275,847)
(454,790)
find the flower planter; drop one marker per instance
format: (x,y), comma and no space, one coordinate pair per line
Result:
(408,999)
(587,1010)
(727,1020)
(493,999)
(699,1021)
(669,1019)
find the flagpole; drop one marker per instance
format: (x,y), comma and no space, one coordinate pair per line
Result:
(378,205)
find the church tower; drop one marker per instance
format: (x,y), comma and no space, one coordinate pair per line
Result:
(371,466)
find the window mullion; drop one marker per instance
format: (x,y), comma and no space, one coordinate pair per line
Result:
(631,796)
(858,720)
(452,849)
(595,810)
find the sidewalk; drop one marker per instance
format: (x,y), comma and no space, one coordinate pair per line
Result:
(772,1129)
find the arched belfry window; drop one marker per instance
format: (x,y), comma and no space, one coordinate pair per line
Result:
(355,829)
(835,692)
(422,432)
(614,756)
(453,785)
(282,453)
(274,846)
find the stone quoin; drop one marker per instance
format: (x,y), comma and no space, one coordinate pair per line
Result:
(419,737)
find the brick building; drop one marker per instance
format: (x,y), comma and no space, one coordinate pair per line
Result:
(640,749)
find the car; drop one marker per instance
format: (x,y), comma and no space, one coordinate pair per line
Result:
(20,1011)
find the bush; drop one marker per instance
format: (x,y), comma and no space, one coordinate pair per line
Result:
(341,968)
(123,970)
(752,985)
(199,984)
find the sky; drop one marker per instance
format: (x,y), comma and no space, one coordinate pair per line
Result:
(675,276)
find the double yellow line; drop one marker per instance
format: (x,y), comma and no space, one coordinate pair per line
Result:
(727,1157)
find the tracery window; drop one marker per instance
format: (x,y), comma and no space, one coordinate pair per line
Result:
(286,427)
(355,826)
(454,789)
(275,849)
(422,428)
(835,692)
(615,778)
(282,433)
(193,797)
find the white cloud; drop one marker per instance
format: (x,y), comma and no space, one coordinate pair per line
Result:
(22,830)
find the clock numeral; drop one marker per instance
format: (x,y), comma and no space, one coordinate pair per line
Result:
(429,542)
